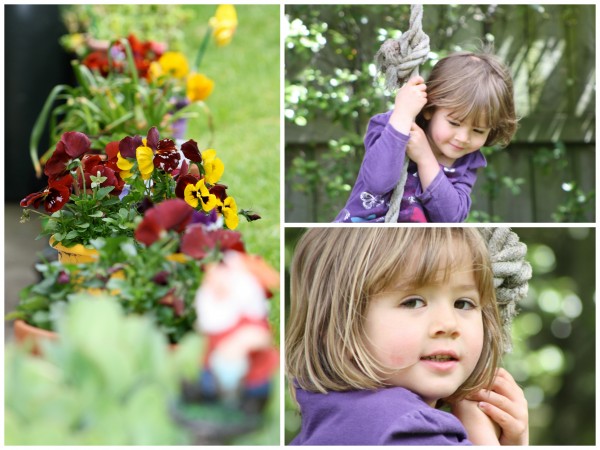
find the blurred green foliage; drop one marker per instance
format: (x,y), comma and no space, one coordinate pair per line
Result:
(553,357)
(332,84)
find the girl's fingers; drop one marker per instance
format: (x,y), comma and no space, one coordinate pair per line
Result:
(506,385)
(514,430)
(416,80)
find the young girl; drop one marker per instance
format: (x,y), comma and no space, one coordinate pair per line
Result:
(467,103)
(386,325)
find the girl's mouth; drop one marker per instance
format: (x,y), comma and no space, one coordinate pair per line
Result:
(439,358)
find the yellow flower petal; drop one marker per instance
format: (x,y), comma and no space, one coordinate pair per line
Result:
(213,166)
(155,71)
(199,87)
(189,195)
(174,64)
(224,24)
(145,159)
(125,165)
(229,211)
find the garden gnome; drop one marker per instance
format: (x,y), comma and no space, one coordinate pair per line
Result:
(232,312)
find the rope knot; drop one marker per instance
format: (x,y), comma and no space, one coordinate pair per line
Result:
(511,273)
(400,58)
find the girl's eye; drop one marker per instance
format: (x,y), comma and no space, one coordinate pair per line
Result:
(413,303)
(454,124)
(465,304)
(479,131)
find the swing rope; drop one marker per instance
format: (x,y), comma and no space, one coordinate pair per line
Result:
(511,274)
(399,59)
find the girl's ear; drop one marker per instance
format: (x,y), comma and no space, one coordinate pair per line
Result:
(427,114)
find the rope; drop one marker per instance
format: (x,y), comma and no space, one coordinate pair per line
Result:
(511,274)
(399,59)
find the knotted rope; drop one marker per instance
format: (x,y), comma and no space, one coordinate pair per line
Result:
(399,59)
(511,274)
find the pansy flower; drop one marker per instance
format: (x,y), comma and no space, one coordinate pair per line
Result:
(229,210)
(224,24)
(173,214)
(182,183)
(142,149)
(213,166)
(53,197)
(190,151)
(72,145)
(195,194)
(198,87)
(93,165)
(145,159)
(167,156)
(172,63)
(198,242)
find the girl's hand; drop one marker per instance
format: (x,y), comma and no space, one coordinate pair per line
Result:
(410,99)
(418,148)
(506,405)
(481,430)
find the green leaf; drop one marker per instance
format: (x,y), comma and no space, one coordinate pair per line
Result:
(72,234)
(103,192)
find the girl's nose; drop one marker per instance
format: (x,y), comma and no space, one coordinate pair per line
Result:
(444,323)
(462,135)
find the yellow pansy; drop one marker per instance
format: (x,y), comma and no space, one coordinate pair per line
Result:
(174,64)
(229,211)
(125,165)
(224,24)
(155,71)
(145,159)
(195,194)
(213,166)
(199,87)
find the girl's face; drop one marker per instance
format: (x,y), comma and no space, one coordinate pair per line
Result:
(450,139)
(430,337)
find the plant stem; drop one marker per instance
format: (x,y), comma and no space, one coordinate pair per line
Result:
(202,49)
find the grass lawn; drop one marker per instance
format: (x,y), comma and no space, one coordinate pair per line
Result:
(245,106)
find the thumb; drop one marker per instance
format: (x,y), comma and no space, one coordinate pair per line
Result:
(415,80)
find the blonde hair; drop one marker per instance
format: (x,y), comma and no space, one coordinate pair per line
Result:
(334,273)
(476,86)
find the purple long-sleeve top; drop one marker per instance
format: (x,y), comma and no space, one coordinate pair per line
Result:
(389,416)
(446,199)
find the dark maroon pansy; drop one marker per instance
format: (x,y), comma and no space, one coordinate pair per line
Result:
(161,278)
(167,156)
(56,166)
(53,197)
(128,146)
(219,191)
(197,242)
(190,151)
(174,214)
(152,139)
(75,143)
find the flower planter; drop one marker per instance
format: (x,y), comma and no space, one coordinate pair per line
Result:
(28,333)
(74,255)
